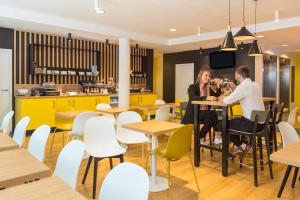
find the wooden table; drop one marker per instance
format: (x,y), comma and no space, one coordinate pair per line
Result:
(6,143)
(48,188)
(290,157)
(154,128)
(149,108)
(18,166)
(225,139)
(71,115)
(114,111)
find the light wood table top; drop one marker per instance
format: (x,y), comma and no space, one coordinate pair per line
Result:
(113,111)
(148,108)
(153,127)
(266,99)
(6,143)
(18,166)
(210,103)
(48,188)
(71,115)
(289,155)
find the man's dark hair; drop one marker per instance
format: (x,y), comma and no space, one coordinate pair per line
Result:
(243,71)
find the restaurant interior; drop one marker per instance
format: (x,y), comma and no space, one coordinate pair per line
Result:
(136,100)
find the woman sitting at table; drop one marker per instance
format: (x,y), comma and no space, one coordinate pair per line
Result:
(201,91)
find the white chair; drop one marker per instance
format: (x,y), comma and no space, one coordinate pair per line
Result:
(20,131)
(5,128)
(159,102)
(68,162)
(100,142)
(125,181)
(292,116)
(79,123)
(38,141)
(163,113)
(101,106)
(127,136)
(288,134)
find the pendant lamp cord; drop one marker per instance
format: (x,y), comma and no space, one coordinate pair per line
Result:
(229,19)
(244,12)
(255,15)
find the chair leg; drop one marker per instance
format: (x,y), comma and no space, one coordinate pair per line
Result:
(261,156)
(285,178)
(267,141)
(111,164)
(122,158)
(54,132)
(295,176)
(210,141)
(194,172)
(169,179)
(254,159)
(95,177)
(275,138)
(87,169)
(147,159)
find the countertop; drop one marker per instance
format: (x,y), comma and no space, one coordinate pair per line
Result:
(79,95)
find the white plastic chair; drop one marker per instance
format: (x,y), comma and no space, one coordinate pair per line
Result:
(125,181)
(20,131)
(127,136)
(163,113)
(292,116)
(101,106)
(160,102)
(38,141)
(100,142)
(288,134)
(79,123)
(5,128)
(68,162)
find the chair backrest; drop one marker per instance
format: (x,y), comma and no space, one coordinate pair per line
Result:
(288,133)
(262,117)
(126,118)
(179,142)
(125,181)
(292,116)
(79,122)
(38,141)
(102,106)
(277,110)
(99,131)
(163,113)
(6,122)
(20,131)
(68,162)
(183,106)
(160,102)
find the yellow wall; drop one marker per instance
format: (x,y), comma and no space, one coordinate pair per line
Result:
(297,84)
(158,74)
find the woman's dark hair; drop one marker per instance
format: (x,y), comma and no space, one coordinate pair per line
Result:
(243,71)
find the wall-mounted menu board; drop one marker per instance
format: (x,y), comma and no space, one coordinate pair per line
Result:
(67,60)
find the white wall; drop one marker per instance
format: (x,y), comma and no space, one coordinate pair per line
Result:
(184,76)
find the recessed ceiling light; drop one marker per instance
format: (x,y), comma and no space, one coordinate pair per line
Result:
(284,45)
(173,29)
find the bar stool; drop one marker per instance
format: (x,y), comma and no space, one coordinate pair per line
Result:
(262,117)
(277,111)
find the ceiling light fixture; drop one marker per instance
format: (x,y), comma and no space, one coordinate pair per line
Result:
(260,36)
(244,33)
(198,30)
(255,49)
(276,16)
(228,43)
(172,30)
(98,7)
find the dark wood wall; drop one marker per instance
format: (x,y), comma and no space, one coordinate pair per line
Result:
(199,60)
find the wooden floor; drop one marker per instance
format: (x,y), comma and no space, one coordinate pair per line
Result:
(238,185)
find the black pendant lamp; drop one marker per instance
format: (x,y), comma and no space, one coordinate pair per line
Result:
(244,33)
(228,43)
(255,49)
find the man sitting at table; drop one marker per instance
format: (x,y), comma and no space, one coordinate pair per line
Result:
(249,95)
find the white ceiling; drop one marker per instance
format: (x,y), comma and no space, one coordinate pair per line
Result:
(150,21)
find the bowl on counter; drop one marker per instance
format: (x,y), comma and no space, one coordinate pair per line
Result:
(22,91)
(71,93)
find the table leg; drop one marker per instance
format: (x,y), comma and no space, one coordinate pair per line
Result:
(156,183)
(196,137)
(225,141)
(148,115)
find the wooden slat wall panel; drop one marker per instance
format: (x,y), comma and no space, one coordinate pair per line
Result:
(75,58)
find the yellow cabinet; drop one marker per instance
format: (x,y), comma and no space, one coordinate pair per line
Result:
(142,99)
(40,110)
